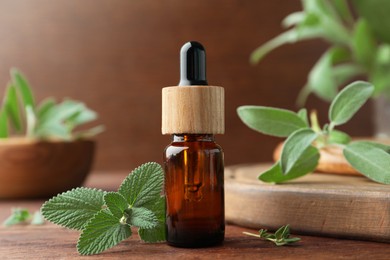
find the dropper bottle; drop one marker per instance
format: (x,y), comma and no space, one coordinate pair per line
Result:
(193,113)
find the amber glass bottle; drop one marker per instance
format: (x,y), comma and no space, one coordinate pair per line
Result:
(194,190)
(193,162)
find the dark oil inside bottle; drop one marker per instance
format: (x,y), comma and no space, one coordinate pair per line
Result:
(194,189)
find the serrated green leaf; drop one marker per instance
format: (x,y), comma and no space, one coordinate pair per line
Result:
(349,101)
(3,124)
(270,121)
(363,43)
(338,137)
(102,232)
(306,164)
(369,160)
(72,209)
(19,215)
(116,203)
(294,147)
(156,234)
(143,185)
(11,106)
(142,218)
(23,87)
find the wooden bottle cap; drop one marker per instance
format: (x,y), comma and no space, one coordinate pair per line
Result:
(193,110)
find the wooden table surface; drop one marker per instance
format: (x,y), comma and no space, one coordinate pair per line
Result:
(52,242)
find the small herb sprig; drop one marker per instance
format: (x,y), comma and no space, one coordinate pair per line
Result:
(23,216)
(280,238)
(300,153)
(106,218)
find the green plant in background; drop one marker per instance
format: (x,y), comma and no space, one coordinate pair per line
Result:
(48,120)
(358,46)
(300,152)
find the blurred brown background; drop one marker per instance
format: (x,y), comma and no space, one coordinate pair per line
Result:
(116,55)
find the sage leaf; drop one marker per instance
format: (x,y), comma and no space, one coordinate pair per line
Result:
(343,10)
(349,101)
(363,43)
(293,19)
(3,124)
(306,163)
(22,85)
(370,160)
(338,137)
(293,148)
(44,107)
(302,113)
(11,106)
(270,121)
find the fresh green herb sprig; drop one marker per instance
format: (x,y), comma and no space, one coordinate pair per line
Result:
(280,238)
(21,215)
(106,218)
(300,153)
(20,114)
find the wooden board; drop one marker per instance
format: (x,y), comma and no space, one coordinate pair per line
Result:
(318,204)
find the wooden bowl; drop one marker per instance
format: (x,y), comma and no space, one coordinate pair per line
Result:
(37,169)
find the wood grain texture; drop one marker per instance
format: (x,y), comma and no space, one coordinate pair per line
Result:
(52,242)
(117,56)
(321,204)
(193,110)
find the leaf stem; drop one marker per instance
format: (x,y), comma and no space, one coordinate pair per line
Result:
(250,234)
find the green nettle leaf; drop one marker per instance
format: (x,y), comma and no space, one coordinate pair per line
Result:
(270,121)
(102,232)
(156,234)
(144,184)
(73,209)
(295,145)
(370,160)
(18,216)
(306,163)
(349,101)
(116,203)
(141,217)
(11,106)
(338,137)
(21,84)
(363,43)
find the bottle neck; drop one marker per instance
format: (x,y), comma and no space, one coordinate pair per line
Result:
(193,138)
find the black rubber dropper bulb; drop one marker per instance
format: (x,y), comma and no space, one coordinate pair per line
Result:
(192,64)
